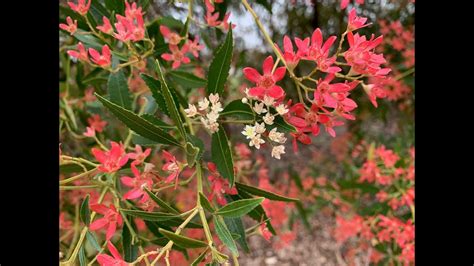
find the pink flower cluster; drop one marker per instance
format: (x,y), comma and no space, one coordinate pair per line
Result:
(178,55)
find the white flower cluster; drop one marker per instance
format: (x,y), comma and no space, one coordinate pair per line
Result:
(254,133)
(208,110)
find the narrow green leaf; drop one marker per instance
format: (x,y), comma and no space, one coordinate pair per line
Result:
(138,124)
(236,227)
(205,203)
(187,80)
(199,258)
(258,214)
(222,155)
(88,40)
(239,208)
(263,193)
(239,110)
(170,22)
(130,250)
(169,101)
(192,153)
(161,203)
(183,241)
(98,11)
(117,5)
(296,178)
(162,241)
(85,212)
(150,216)
(82,257)
(157,122)
(92,240)
(197,142)
(220,66)
(224,235)
(155,87)
(118,90)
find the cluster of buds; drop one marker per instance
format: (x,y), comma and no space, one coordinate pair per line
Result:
(208,110)
(266,111)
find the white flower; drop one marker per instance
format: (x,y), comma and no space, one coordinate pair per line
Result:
(216,107)
(259,128)
(277,151)
(276,136)
(249,131)
(213,127)
(203,104)
(191,111)
(245,100)
(268,101)
(281,109)
(214,98)
(212,116)
(258,108)
(268,119)
(256,141)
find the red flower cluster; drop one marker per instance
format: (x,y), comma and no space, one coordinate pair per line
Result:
(178,55)
(219,185)
(111,160)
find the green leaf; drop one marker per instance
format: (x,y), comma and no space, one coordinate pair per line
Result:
(118,90)
(98,11)
(197,142)
(199,258)
(150,216)
(88,40)
(85,213)
(183,241)
(239,110)
(187,80)
(220,65)
(117,5)
(205,203)
(157,122)
(222,155)
(263,193)
(130,250)
(92,240)
(192,153)
(281,125)
(224,235)
(169,101)
(236,227)
(296,178)
(138,124)
(155,87)
(258,214)
(82,257)
(161,203)
(137,139)
(239,208)
(170,22)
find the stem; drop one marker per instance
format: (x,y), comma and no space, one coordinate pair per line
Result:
(404,74)
(170,243)
(65,181)
(77,187)
(72,258)
(207,231)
